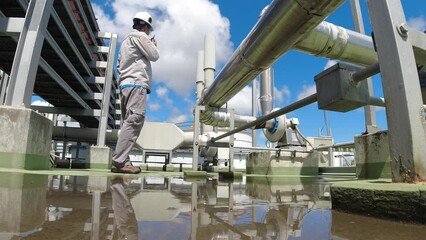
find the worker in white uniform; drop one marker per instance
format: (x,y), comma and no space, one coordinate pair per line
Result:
(137,52)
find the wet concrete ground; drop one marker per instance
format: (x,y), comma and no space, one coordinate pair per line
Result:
(156,206)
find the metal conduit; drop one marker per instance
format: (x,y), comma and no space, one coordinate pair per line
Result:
(294,106)
(283,24)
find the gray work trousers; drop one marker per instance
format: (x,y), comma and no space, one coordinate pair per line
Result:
(133,109)
(124,215)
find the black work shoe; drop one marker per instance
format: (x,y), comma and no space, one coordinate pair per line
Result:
(126,169)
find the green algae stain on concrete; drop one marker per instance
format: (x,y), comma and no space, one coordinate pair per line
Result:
(381,198)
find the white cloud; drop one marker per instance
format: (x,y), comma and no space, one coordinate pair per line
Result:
(163,94)
(242,102)
(307,90)
(282,95)
(418,23)
(180,27)
(40,103)
(178,117)
(330,63)
(154,106)
(161,91)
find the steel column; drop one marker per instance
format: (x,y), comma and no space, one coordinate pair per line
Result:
(4,81)
(96,214)
(253,111)
(27,56)
(231,141)
(369,111)
(404,105)
(195,146)
(194,211)
(103,122)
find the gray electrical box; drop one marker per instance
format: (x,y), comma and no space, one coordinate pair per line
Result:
(336,91)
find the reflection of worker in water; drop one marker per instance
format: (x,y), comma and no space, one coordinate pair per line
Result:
(124,216)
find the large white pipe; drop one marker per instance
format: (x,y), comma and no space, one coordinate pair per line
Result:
(283,24)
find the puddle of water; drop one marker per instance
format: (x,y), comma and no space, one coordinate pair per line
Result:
(154,207)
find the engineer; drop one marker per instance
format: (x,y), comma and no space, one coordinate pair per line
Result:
(137,52)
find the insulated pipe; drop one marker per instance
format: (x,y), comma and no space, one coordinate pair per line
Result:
(209,59)
(331,41)
(266,85)
(265,44)
(222,119)
(266,91)
(200,76)
(209,69)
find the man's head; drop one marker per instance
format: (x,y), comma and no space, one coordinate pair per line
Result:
(143,22)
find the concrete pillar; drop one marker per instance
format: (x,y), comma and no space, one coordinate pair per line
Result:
(99,157)
(372,156)
(25,138)
(23,202)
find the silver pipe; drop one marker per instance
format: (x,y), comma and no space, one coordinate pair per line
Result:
(209,59)
(267,91)
(265,44)
(331,41)
(200,75)
(365,73)
(377,101)
(209,69)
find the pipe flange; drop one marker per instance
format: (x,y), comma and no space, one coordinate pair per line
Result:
(276,132)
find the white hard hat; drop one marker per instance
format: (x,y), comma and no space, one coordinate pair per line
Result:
(144,16)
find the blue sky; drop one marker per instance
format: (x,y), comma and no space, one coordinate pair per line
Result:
(180,27)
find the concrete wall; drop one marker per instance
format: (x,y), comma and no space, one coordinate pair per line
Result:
(372,156)
(284,163)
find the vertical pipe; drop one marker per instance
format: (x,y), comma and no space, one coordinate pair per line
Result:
(27,56)
(370,111)
(209,59)
(266,91)
(209,68)
(200,76)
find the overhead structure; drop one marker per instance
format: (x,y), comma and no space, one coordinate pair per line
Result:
(75,65)
(298,25)
(282,25)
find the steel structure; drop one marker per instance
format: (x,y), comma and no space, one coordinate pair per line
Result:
(54,49)
(400,59)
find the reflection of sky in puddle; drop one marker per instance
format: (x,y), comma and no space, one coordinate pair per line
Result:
(57,207)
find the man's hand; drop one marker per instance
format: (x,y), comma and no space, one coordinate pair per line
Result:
(153,40)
